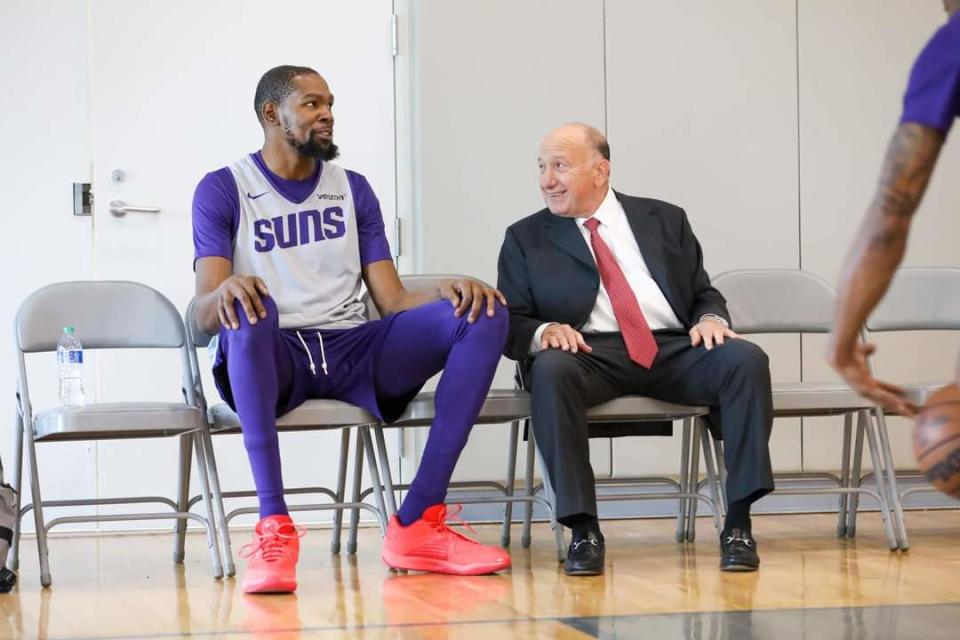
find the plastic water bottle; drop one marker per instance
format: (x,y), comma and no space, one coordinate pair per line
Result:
(70,359)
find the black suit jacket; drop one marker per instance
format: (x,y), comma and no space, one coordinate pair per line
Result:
(547,273)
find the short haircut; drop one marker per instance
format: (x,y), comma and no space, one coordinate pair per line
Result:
(597,140)
(276,84)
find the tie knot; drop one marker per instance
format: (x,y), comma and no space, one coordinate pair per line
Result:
(592,224)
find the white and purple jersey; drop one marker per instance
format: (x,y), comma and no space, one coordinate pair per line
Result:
(306,239)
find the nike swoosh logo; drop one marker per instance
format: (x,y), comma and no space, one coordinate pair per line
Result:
(254,197)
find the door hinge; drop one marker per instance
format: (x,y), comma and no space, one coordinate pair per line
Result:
(82,199)
(396,237)
(394,35)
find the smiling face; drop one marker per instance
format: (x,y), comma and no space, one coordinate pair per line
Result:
(574,176)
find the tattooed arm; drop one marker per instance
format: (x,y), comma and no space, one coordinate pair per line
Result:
(877,251)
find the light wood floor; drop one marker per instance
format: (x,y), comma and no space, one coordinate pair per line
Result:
(126,586)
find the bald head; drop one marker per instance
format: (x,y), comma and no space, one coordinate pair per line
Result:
(587,135)
(574,169)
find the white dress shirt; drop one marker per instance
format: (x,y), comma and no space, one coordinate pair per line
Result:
(618,235)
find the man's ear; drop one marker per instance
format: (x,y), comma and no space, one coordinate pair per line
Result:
(603,171)
(269,113)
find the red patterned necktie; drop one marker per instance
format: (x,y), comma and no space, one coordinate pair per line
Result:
(641,345)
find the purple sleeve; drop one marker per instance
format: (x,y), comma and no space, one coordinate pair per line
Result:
(933,93)
(216,215)
(373,241)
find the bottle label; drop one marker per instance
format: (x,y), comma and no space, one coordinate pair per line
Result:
(73,356)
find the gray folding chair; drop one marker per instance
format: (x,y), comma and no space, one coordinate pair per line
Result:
(633,409)
(919,299)
(312,415)
(107,315)
(789,301)
(500,406)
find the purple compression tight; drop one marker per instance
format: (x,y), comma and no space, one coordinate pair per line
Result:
(265,371)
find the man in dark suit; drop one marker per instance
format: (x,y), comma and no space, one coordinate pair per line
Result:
(608,296)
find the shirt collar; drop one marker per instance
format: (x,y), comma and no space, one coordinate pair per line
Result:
(608,212)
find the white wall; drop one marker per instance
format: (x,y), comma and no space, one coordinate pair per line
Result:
(717,135)
(854,58)
(765,119)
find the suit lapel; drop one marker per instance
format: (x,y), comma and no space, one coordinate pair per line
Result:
(564,233)
(649,236)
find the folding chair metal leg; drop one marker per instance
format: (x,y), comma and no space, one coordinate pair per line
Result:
(693,481)
(511,480)
(712,478)
(374,477)
(893,490)
(226,550)
(528,481)
(721,474)
(42,549)
(892,541)
(844,475)
(551,498)
(341,489)
(357,479)
(681,534)
(204,474)
(16,481)
(183,496)
(384,459)
(856,472)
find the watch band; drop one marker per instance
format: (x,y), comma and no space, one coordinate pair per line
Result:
(716,318)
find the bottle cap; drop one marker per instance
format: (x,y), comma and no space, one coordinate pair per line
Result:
(69,329)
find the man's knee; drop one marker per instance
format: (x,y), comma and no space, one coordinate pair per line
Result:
(747,358)
(554,368)
(495,327)
(492,329)
(263,327)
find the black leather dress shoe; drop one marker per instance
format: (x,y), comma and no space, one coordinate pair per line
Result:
(738,551)
(585,556)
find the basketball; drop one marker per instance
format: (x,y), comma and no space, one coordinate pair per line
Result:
(936,440)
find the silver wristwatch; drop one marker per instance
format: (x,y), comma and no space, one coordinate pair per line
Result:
(716,318)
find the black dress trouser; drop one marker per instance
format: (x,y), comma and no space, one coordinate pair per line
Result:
(733,379)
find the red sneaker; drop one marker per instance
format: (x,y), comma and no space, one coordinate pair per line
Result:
(430,545)
(273,555)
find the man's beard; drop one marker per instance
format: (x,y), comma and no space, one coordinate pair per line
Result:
(313,148)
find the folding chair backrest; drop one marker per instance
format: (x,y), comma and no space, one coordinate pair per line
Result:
(919,299)
(777,301)
(415,282)
(106,314)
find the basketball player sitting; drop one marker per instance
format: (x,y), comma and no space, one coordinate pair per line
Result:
(284,240)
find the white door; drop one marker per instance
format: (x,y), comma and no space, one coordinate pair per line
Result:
(172,86)
(46,148)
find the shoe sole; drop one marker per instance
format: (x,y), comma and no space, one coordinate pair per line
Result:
(740,568)
(271,587)
(582,572)
(413,563)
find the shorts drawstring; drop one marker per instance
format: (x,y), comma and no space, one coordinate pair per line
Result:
(323,355)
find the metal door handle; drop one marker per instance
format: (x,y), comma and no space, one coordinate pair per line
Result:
(120,208)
